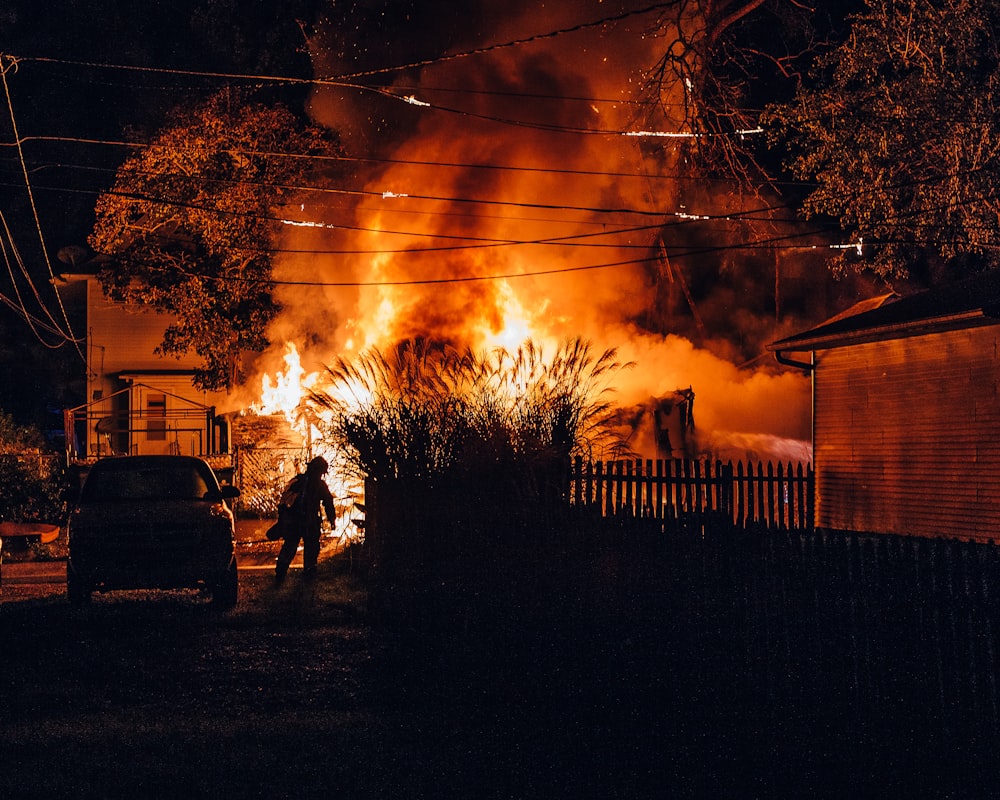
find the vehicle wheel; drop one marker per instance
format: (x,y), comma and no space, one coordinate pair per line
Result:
(226,591)
(76,590)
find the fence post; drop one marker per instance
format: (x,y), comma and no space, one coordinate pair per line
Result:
(647,491)
(725,472)
(770,495)
(660,512)
(628,503)
(741,507)
(781,496)
(577,482)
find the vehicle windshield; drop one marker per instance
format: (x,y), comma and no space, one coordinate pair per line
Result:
(163,481)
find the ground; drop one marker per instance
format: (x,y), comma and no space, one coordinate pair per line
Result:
(299,692)
(304,690)
(295,693)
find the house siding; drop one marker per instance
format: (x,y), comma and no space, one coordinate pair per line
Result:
(125,338)
(121,344)
(907,435)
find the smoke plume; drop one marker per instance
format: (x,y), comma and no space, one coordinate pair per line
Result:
(493,197)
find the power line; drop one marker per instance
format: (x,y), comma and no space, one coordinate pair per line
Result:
(658,213)
(769,243)
(383,161)
(513,43)
(34,323)
(681,217)
(69,335)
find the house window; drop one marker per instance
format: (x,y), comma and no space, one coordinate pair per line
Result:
(156,417)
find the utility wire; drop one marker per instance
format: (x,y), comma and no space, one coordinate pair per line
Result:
(513,43)
(69,335)
(768,244)
(33,322)
(681,218)
(679,215)
(383,161)
(346,81)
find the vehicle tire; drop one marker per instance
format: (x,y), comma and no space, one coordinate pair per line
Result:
(226,591)
(76,589)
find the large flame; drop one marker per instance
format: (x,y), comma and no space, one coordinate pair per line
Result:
(477,232)
(284,393)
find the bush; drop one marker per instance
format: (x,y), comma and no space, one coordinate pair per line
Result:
(429,411)
(32,482)
(32,488)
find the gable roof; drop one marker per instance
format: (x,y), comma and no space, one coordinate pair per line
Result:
(968,303)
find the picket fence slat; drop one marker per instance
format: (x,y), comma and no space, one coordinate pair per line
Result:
(774,496)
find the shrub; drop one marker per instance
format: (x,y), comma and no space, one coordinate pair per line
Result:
(31,480)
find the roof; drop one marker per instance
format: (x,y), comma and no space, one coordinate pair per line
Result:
(969,303)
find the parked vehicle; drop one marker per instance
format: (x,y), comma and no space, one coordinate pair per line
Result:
(152,522)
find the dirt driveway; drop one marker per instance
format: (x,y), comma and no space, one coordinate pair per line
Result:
(160,696)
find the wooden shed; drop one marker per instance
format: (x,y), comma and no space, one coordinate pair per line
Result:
(906,415)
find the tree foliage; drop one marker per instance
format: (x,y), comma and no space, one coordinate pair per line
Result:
(900,134)
(16,438)
(31,480)
(189,223)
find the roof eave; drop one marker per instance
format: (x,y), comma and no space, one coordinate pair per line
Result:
(820,341)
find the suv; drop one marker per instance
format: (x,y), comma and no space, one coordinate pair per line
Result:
(152,522)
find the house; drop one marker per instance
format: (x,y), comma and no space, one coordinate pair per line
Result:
(137,401)
(906,413)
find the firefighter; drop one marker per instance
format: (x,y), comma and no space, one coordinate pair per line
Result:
(305,520)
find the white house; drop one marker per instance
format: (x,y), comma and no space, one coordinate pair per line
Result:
(137,401)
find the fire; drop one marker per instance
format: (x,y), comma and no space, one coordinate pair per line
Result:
(517,323)
(283,394)
(486,235)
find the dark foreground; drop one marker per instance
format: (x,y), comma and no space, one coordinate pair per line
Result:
(301,692)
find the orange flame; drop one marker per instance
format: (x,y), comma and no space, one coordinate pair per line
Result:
(484,235)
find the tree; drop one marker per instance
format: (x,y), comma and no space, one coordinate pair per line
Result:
(188,225)
(898,129)
(722,61)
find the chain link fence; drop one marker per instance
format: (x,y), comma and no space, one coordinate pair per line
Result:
(262,473)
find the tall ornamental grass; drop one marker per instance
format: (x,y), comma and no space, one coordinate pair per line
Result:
(465,459)
(429,411)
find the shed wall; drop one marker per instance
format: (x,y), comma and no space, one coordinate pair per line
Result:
(907,435)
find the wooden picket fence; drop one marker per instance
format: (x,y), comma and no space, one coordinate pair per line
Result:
(774,496)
